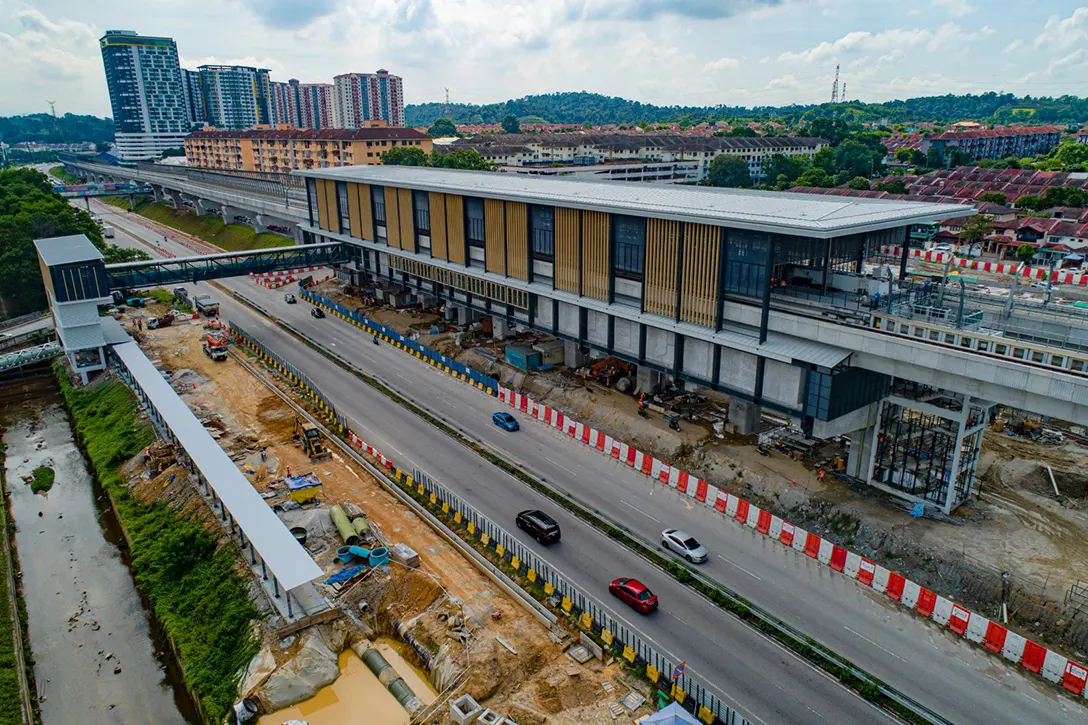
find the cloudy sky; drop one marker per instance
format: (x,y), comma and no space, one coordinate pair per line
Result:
(744,52)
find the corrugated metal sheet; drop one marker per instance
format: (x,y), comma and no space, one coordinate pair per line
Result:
(784,212)
(66,250)
(83,337)
(282,554)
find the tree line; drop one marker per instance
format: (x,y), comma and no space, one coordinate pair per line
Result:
(43,128)
(29,210)
(460,159)
(596,108)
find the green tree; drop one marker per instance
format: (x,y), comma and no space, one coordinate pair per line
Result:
(824,159)
(1025,253)
(958,157)
(785,169)
(30,210)
(1031,202)
(892,186)
(441,128)
(854,157)
(975,229)
(934,158)
(904,155)
(994,197)
(405,156)
(742,132)
(461,159)
(727,170)
(510,124)
(815,176)
(858,183)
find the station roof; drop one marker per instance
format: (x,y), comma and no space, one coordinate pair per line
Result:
(769,211)
(67,250)
(287,560)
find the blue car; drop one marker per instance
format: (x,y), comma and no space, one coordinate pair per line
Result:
(505,421)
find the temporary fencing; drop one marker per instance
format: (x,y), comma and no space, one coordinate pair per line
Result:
(1062,671)
(1060,276)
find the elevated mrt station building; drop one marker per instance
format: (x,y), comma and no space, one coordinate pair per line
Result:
(687,283)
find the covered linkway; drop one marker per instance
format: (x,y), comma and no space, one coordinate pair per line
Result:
(157,272)
(282,566)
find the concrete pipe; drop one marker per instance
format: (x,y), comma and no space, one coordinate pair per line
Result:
(423,652)
(397,687)
(361,525)
(340,521)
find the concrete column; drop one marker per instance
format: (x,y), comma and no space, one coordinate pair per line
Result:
(573,355)
(647,380)
(156,192)
(500,328)
(205,207)
(861,445)
(450,312)
(464,315)
(745,415)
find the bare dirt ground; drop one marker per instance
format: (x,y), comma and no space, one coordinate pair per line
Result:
(1017,524)
(246,416)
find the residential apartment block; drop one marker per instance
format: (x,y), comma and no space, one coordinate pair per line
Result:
(283,149)
(362,97)
(194,97)
(235,96)
(597,154)
(304,105)
(147,93)
(997,143)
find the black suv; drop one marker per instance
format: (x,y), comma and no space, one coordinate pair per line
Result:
(539,525)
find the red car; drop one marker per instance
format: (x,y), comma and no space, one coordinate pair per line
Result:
(634,593)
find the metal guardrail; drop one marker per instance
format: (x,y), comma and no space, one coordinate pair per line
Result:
(22,319)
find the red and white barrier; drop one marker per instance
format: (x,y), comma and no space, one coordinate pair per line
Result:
(1076,279)
(970,625)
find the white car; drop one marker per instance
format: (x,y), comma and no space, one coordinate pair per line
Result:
(684,544)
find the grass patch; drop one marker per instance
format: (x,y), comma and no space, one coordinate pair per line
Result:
(194,589)
(43,479)
(161,295)
(11,708)
(60,173)
(231,237)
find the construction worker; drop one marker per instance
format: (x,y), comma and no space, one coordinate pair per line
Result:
(820,475)
(264,453)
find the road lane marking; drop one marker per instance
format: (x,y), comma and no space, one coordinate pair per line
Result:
(678,619)
(862,636)
(560,465)
(730,561)
(651,518)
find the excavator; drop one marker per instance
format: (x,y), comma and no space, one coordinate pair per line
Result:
(313,445)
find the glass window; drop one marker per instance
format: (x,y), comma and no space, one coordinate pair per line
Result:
(746,257)
(422,202)
(474,221)
(629,233)
(342,207)
(542,231)
(311,196)
(377,200)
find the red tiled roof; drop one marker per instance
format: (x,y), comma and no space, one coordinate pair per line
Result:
(319,134)
(997,132)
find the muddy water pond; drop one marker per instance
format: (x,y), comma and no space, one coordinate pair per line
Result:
(357,698)
(98,660)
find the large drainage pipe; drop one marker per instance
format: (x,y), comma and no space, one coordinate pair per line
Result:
(347,531)
(397,687)
(423,652)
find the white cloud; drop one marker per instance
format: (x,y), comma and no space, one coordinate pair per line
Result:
(1013,46)
(858,41)
(786,81)
(720,64)
(955,8)
(1061,33)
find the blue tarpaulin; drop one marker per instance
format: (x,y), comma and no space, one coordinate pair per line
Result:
(345,574)
(673,714)
(306,480)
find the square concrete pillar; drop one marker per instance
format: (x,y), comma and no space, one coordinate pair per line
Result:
(573,355)
(500,328)
(647,380)
(745,415)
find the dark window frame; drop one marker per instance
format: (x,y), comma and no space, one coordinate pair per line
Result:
(542,240)
(377,204)
(342,208)
(473,224)
(628,260)
(421,213)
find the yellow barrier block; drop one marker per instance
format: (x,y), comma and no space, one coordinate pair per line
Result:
(445,507)
(485,539)
(515,562)
(489,392)
(566,604)
(678,693)
(500,550)
(408,481)
(456,517)
(549,588)
(586,621)
(628,653)
(421,490)
(396,474)
(706,715)
(471,527)
(433,499)
(607,637)
(532,575)
(652,674)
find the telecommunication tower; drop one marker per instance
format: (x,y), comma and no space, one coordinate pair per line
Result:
(835,86)
(447,103)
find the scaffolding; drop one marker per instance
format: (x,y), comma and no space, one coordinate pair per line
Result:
(927,444)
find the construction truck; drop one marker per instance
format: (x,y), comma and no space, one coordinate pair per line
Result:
(313,445)
(166,320)
(206,306)
(215,345)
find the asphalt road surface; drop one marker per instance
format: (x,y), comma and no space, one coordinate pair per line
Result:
(956,679)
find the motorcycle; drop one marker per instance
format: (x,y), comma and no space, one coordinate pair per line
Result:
(375,339)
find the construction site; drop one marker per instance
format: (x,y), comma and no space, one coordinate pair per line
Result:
(1018,541)
(412,625)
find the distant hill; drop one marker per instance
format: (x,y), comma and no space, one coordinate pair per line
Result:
(582,107)
(43,128)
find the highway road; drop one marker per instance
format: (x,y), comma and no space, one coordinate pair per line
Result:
(961,682)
